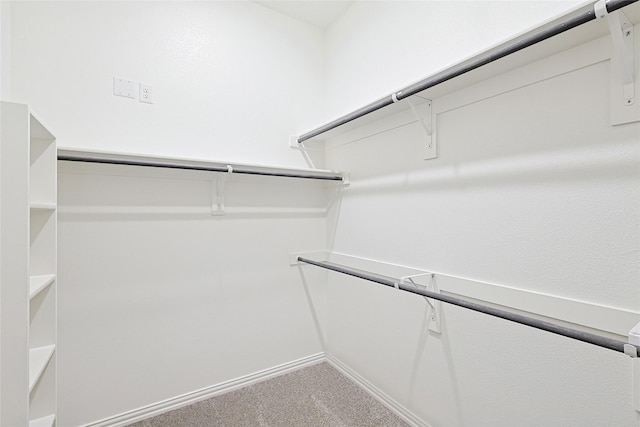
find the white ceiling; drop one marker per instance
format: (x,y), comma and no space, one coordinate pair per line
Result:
(320,13)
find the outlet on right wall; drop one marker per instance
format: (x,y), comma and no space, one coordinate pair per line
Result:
(533,189)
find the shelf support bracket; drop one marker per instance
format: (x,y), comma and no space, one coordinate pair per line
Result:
(217,192)
(623,86)
(434,305)
(632,351)
(425,119)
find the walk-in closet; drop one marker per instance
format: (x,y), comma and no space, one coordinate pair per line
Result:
(309,213)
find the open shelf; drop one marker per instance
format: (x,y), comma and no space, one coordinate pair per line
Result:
(28,202)
(43,206)
(180,164)
(38,360)
(42,242)
(42,188)
(42,399)
(38,132)
(48,421)
(38,283)
(42,315)
(572,29)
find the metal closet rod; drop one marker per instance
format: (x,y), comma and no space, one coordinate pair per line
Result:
(587,337)
(582,17)
(184,166)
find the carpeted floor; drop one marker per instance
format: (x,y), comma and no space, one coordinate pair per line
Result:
(314,396)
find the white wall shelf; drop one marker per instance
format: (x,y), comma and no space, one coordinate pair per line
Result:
(48,421)
(38,360)
(39,283)
(28,290)
(476,69)
(43,206)
(184,164)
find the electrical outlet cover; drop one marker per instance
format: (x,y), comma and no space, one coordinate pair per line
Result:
(146,94)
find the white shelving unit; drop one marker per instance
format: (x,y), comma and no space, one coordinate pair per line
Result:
(28,236)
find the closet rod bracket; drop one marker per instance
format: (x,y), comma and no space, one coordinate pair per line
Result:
(423,113)
(634,337)
(631,350)
(217,192)
(434,305)
(346,179)
(623,74)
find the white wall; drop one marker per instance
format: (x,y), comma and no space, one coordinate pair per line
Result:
(142,320)
(5,50)
(377,48)
(232,80)
(158,298)
(532,189)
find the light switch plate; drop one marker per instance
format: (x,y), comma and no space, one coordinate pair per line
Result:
(122,87)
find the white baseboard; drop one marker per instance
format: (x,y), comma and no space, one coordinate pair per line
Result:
(381,396)
(205,393)
(140,414)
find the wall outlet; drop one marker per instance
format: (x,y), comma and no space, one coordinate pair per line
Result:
(122,87)
(146,94)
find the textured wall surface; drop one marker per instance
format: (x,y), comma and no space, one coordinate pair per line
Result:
(532,189)
(231,80)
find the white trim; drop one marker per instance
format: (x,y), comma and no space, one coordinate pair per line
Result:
(177,402)
(191,210)
(205,393)
(378,394)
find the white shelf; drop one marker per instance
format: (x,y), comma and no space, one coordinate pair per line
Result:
(28,326)
(38,283)
(561,42)
(48,421)
(43,206)
(38,360)
(38,131)
(116,158)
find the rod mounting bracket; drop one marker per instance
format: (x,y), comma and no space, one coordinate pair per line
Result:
(434,312)
(631,350)
(623,75)
(217,192)
(634,335)
(423,113)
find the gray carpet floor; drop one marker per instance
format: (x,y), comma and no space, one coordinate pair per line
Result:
(317,395)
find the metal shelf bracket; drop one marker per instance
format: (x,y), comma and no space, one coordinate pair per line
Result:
(217,192)
(426,121)
(632,351)
(435,309)
(623,73)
